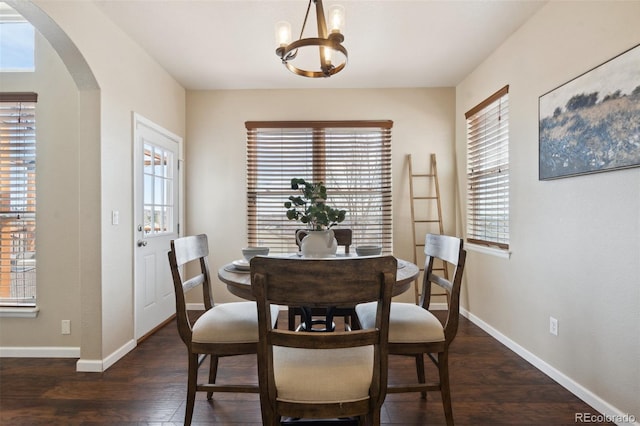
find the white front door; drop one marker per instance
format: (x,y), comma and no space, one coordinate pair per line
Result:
(156,221)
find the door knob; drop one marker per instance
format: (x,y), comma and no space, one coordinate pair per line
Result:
(142,243)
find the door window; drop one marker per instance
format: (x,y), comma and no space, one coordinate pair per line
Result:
(158,190)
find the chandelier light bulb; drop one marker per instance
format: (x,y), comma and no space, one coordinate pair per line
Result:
(283,33)
(336,18)
(327,55)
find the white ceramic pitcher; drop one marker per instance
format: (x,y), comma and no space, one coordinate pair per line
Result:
(317,243)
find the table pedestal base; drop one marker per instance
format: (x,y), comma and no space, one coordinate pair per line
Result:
(307,322)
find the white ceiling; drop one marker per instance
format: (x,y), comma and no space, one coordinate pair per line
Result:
(230,44)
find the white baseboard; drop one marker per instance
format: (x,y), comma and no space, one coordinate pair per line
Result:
(83,365)
(40,352)
(438,306)
(195,306)
(610,412)
(89,366)
(98,366)
(122,351)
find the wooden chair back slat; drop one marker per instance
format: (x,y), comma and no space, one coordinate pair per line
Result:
(190,248)
(442,282)
(292,339)
(193,282)
(443,247)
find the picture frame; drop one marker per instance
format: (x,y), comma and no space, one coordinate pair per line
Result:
(591,123)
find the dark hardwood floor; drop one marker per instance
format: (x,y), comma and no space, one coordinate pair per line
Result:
(490,386)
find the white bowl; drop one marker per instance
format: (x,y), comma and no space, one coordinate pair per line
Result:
(249,252)
(368,250)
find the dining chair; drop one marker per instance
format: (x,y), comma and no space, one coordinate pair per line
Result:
(344,239)
(415,331)
(322,375)
(222,330)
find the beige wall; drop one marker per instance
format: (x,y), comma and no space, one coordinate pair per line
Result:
(575,242)
(216,152)
(129,81)
(58,201)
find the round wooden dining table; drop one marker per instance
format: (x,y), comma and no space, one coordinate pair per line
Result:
(239,281)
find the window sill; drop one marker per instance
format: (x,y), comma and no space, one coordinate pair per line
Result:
(27,312)
(493,251)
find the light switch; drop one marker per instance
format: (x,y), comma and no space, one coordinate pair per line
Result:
(115,217)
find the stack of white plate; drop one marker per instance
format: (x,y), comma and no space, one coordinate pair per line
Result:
(241,265)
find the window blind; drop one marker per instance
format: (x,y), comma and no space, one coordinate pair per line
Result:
(352,158)
(17,199)
(488,171)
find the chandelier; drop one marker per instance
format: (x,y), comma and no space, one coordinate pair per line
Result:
(322,56)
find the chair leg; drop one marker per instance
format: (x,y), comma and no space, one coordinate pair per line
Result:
(355,325)
(420,372)
(443,370)
(307,322)
(192,379)
(292,318)
(269,418)
(213,373)
(328,319)
(375,417)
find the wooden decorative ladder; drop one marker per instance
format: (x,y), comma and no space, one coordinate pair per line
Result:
(424,219)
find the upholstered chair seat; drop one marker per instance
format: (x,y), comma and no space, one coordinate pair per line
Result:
(408,322)
(235,322)
(323,376)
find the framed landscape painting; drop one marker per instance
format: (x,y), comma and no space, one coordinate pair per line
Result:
(592,123)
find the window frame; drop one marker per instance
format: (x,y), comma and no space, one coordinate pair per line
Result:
(18,193)
(308,146)
(488,191)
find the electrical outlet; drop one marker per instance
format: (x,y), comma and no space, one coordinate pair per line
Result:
(66,327)
(553,326)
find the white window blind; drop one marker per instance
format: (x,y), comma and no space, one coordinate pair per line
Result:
(488,171)
(352,158)
(17,199)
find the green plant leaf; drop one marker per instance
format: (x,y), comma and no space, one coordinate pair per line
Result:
(310,208)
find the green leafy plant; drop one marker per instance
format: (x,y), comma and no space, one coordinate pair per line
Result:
(310,207)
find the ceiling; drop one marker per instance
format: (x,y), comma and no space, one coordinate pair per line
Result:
(230,44)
